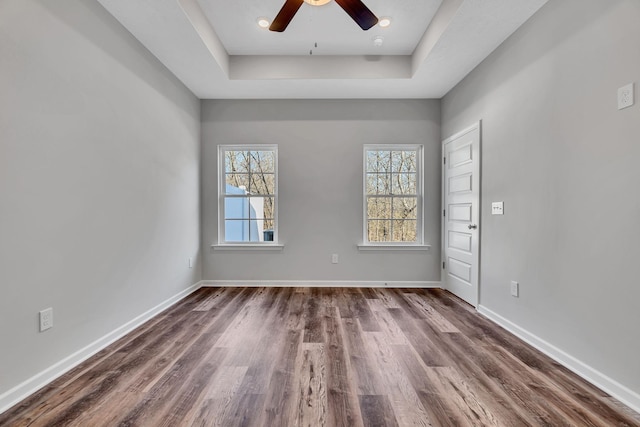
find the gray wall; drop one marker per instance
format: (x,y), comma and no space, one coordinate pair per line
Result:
(99,181)
(563,159)
(320,186)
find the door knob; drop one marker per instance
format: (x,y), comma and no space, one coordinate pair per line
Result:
(472,226)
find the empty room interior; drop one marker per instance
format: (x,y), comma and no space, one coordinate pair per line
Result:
(319,213)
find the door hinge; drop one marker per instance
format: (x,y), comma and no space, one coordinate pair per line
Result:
(443,265)
(444,212)
(444,160)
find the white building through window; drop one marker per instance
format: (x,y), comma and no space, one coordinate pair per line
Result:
(248,194)
(393,195)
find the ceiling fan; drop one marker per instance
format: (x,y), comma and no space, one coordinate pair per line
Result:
(355,8)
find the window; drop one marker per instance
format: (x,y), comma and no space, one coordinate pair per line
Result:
(248,194)
(393,194)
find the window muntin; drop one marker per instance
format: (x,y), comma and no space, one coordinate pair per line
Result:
(393,194)
(248,194)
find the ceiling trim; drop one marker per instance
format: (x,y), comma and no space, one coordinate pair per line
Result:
(439,24)
(205,31)
(248,67)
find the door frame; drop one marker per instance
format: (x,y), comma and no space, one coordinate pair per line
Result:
(477,125)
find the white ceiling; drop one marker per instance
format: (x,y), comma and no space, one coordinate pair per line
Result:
(217,50)
(329,26)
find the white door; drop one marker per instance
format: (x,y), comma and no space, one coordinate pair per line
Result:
(461,213)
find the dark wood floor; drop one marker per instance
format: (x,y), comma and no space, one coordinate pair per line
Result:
(319,357)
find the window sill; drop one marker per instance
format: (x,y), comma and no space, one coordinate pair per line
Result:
(248,247)
(370,247)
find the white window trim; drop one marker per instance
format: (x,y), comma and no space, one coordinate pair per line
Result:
(419,243)
(392,247)
(268,246)
(222,243)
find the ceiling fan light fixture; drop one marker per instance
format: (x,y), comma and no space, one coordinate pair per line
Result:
(317,2)
(263,22)
(356,9)
(384,22)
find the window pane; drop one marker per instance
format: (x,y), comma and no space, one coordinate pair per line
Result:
(405,230)
(391,192)
(262,183)
(262,207)
(236,208)
(237,183)
(238,231)
(379,231)
(236,161)
(262,161)
(405,183)
(249,175)
(405,207)
(379,208)
(404,161)
(378,161)
(255,230)
(378,183)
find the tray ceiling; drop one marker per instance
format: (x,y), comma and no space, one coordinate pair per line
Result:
(216,48)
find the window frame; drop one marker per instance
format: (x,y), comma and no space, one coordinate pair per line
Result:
(419,243)
(222,195)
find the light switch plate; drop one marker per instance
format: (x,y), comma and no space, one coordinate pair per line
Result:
(515,289)
(625,96)
(497,208)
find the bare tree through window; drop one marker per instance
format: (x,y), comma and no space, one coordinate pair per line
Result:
(392,195)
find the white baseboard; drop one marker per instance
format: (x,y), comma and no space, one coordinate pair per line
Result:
(595,377)
(35,383)
(319,284)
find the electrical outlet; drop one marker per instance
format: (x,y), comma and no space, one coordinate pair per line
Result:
(334,259)
(515,289)
(46,319)
(625,96)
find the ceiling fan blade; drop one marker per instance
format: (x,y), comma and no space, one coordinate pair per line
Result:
(285,15)
(359,13)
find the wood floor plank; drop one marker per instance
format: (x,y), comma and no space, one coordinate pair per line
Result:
(419,337)
(406,405)
(312,314)
(369,293)
(311,405)
(385,297)
(387,324)
(343,404)
(319,357)
(377,411)
(295,319)
(438,320)
(167,390)
(215,405)
(279,402)
(446,399)
(366,376)
(353,304)
(215,298)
